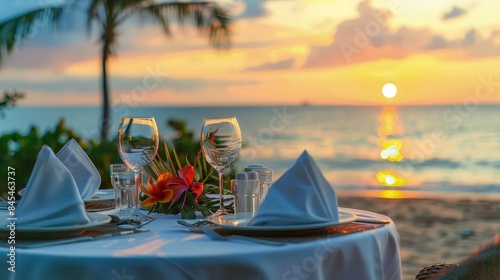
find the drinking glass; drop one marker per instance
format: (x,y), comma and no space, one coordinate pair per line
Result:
(137,145)
(221,144)
(123,182)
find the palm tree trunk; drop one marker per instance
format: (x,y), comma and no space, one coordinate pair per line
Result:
(105,95)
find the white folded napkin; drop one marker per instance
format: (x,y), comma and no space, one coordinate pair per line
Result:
(51,197)
(79,164)
(301,196)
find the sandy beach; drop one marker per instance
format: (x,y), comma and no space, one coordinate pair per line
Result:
(434,228)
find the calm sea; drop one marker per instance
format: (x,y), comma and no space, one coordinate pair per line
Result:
(424,148)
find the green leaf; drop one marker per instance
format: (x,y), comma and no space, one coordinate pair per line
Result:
(205,211)
(188,213)
(176,157)
(190,198)
(161,164)
(152,172)
(169,159)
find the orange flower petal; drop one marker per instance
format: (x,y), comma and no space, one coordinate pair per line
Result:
(153,188)
(167,195)
(163,180)
(145,190)
(149,202)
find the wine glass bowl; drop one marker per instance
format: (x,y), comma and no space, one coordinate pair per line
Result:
(221,144)
(138,142)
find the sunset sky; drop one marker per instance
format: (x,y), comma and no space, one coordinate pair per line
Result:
(283,52)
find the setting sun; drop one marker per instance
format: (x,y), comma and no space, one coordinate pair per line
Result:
(389,90)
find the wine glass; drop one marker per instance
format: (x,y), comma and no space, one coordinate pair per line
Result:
(137,145)
(221,144)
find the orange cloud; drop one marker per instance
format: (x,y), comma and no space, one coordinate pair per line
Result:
(370,37)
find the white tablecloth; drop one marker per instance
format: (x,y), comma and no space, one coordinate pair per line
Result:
(170,251)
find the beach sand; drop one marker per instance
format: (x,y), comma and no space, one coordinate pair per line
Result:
(434,228)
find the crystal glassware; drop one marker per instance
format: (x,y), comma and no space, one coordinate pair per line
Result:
(221,144)
(138,141)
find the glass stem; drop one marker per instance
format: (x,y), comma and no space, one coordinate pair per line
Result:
(221,206)
(138,181)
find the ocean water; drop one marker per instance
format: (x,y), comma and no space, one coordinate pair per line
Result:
(420,148)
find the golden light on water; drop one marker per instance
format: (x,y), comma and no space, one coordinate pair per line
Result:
(391,150)
(390,179)
(389,130)
(390,124)
(389,90)
(391,194)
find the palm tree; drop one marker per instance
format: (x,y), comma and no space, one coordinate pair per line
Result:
(109,14)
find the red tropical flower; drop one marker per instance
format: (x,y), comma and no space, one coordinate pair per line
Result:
(184,183)
(197,189)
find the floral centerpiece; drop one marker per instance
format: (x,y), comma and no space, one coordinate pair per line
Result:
(174,188)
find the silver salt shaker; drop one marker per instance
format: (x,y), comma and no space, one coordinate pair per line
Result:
(265,178)
(245,188)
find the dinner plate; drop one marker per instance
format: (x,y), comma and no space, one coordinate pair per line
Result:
(95,220)
(240,221)
(102,200)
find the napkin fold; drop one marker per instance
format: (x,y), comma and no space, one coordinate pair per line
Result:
(86,176)
(51,197)
(301,196)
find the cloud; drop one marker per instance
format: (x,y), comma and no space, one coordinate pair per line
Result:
(278,65)
(351,36)
(454,13)
(438,42)
(369,37)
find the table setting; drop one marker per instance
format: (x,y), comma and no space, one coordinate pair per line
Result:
(167,225)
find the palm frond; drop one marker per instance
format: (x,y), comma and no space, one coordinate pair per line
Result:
(176,157)
(169,159)
(205,16)
(219,30)
(15,30)
(156,14)
(93,13)
(163,167)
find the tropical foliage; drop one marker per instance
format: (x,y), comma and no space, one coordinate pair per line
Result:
(20,150)
(9,100)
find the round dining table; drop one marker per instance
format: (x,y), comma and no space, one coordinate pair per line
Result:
(170,251)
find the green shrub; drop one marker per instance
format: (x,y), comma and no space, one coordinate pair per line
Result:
(20,151)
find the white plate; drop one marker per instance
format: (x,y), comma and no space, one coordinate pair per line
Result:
(102,200)
(241,220)
(95,220)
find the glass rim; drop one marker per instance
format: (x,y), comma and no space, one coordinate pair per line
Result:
(136,117)
(219,118)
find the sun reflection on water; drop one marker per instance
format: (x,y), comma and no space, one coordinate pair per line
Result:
(391,150)
(389,132)
(390,179)
(391,194)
